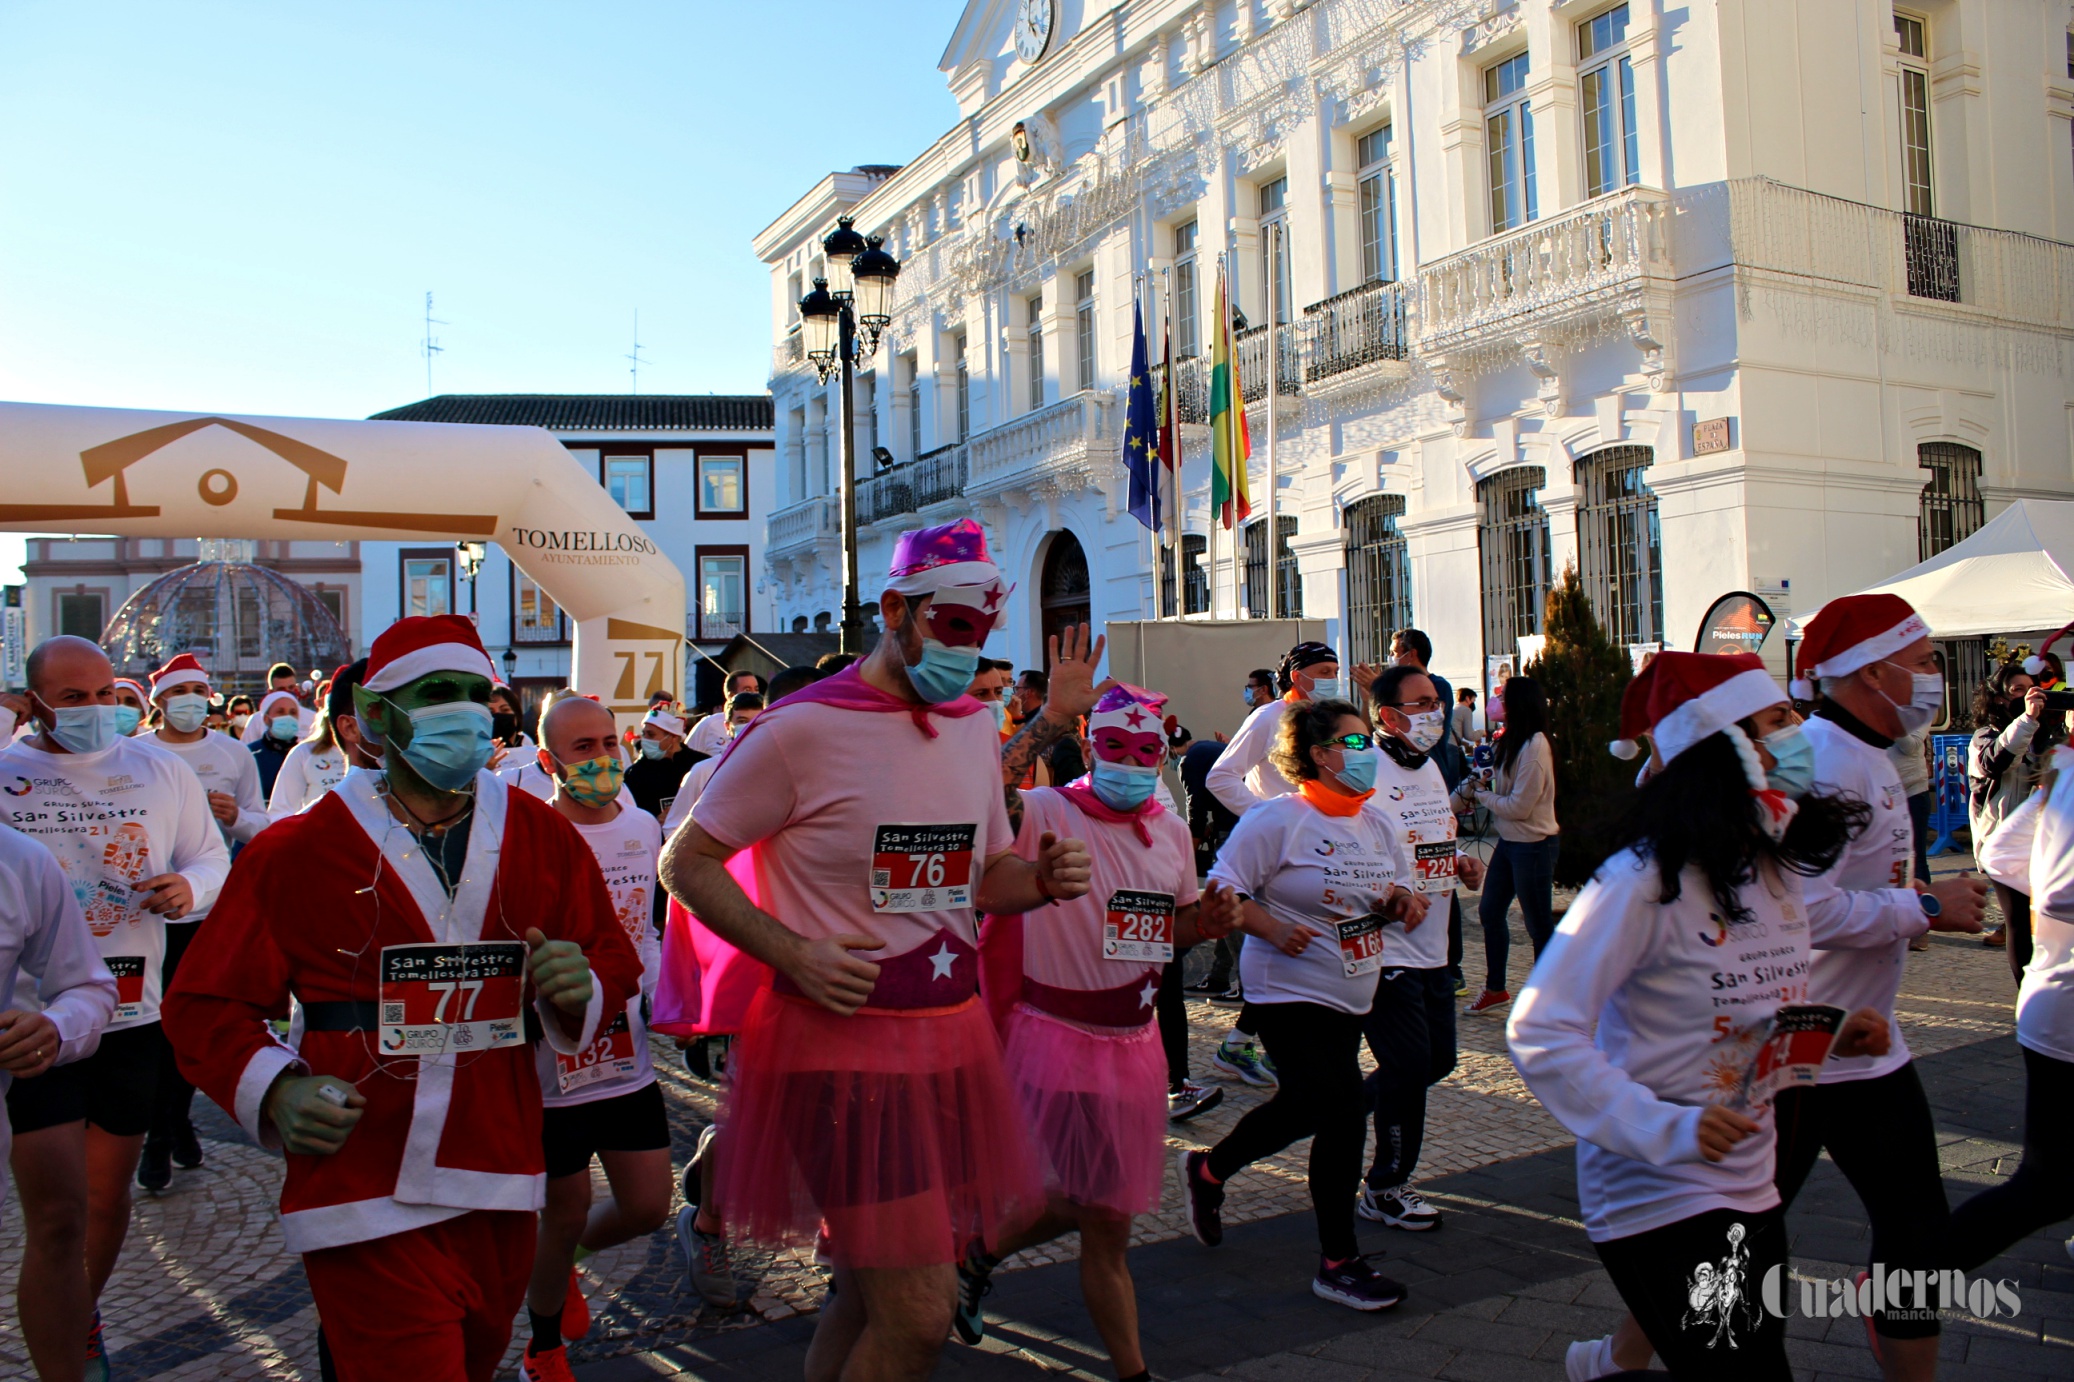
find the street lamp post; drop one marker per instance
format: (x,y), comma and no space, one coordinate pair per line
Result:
(472,556)
(841,322)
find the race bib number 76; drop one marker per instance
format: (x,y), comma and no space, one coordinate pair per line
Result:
(439,998)
(922,868)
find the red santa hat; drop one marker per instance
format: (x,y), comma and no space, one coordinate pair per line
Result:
(1680,699)
(1856,631)
(424,644)
(183,667)
(664,720)
(134,685)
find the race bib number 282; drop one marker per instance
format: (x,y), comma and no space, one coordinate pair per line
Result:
(1138,927)
(922,868)
(441,998)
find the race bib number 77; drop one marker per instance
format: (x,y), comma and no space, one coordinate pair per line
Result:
(922,868)
(439,998)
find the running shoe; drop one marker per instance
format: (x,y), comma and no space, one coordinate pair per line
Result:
(1355,1284)
(1266,1063)
(187,1148)
(1206,984)
(1205,1201)
(551,1366)
(1490,1000)
(1401,1207)
(1248,1063)
(1190,1099)
(96,1353)
(975,1282)
(1233,997)
(1997,939)
(1461,988)
(1919,943)
(1590,1359)
(155,1167)
(576,1311)
(712,1270)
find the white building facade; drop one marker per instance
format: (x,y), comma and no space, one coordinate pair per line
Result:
(1725,295)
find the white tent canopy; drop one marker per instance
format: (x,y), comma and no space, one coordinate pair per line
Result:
(2016,574)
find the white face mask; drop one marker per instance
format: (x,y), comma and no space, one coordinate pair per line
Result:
(1926,698)
(1329,689)
(1426,729)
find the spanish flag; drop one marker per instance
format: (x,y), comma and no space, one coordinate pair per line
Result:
(1230,445)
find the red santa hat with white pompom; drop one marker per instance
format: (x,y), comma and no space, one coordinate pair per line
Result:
(182,668)
(424,644)
(1680,699)
(1852,632)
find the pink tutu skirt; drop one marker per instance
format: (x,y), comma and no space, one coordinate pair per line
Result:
(895,1133)
(1097,1107)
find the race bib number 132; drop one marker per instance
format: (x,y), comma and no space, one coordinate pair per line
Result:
(922,868)
(440,998)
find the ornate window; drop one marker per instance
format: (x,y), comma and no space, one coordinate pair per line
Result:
(1035,335)
(1509,144)
(1084,325)
(1187,337)
(1512,539)
(1378,205)
(1274,246)
(1378,576)
(1606,91)
(1952,510)
(1620,543)
(1288,583)
(1911,37)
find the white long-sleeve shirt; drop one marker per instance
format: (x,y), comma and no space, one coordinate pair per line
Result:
(2045,1000)
(43,936)
(1681,1001)
(306,774)
(1242,778)
(113,818)
(224,765)
(1862,913)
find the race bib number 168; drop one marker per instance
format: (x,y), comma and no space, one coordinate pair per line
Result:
(922,868)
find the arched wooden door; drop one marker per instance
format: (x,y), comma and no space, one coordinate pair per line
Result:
(1063,589)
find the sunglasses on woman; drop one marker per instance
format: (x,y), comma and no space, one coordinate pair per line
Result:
(1356,742)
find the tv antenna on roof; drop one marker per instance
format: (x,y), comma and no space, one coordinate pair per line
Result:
(430,346)
(634,370)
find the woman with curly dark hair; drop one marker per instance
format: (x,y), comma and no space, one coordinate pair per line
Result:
(2004,765)
(1639,1025)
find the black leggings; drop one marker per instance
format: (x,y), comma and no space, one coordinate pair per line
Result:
(173,1102)
(1880,1135)
(2041,1191)
(1171,1008)
(1672,1280)
(2016,918)
(1317,1054)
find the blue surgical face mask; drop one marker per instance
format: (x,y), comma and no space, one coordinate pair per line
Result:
(283,726)
(449,743)
(127,718)
(1793,762)
(84,728)
(1122,786)
(1000,709)
(1329,689)
(1358,769)
(649,748)
(943,672)
(186,713)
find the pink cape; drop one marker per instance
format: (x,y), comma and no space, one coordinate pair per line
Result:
(706,984)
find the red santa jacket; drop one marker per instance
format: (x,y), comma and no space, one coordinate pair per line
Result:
(338,906)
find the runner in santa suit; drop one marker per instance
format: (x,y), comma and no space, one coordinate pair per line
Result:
(409,914)
(868,1096)
(230,778)
(1082,1052)
(603,1101)
(1640,1024)
(131,827)
(1879,680)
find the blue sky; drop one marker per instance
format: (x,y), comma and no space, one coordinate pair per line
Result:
(240,207)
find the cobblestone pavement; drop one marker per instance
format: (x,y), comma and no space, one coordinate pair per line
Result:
(205,1289)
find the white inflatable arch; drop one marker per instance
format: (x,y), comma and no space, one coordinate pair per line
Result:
(132,473)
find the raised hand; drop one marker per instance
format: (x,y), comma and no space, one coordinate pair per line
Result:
(561,974)
(1073,690)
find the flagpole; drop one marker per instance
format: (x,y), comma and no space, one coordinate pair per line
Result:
(1272,545)
(1138,286)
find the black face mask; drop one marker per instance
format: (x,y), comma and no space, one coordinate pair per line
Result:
(504,726)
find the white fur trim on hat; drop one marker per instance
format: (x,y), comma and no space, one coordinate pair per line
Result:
(666,722)
(1712,711)
(1877,648)
(423,662)
(933,578)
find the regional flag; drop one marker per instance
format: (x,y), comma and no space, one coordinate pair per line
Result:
(1169,434)
(1141,431)
(1230,444)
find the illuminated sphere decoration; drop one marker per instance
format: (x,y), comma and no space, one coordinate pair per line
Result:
(237,619)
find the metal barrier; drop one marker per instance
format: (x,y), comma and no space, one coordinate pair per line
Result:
(1947,790)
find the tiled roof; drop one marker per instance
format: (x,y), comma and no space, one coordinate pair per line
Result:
(585,412)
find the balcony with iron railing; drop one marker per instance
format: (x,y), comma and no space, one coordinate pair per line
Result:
(1252,344)
(1546,272)
(1065,444)
(1191,388)
(934,477)
(1353,330)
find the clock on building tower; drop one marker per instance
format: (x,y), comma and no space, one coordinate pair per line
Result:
(1034,22)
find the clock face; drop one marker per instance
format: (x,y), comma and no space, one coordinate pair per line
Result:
(1034,21)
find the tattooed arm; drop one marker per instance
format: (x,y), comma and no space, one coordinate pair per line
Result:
(1072,693)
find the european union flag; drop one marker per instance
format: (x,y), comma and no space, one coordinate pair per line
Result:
(1141,431)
